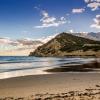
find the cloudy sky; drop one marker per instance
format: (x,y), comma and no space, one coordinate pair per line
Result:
(22,19)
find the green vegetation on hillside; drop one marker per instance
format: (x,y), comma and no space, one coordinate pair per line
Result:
(64,43)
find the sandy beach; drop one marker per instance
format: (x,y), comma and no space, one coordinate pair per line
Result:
(52,84)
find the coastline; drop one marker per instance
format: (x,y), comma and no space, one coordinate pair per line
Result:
(54,85)
(79,65)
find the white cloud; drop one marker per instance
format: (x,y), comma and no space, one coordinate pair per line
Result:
(87,1)
(93,4)
(78,10)
(28,42)
(48,21)
(71,31)
(9,44)
(7,41)
(45,14)
(48,38)
(96,22)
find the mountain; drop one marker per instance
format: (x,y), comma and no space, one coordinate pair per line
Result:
(67,44)
(91,35)
(96,36)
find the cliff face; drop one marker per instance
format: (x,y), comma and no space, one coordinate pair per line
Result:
(66,44)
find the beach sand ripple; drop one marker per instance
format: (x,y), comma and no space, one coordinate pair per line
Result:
(87,94)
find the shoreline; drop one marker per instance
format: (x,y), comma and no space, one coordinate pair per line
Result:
(54,85)
(68,68)
(23,73)
(43,70)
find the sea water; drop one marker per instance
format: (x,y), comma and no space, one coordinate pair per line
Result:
(16,66)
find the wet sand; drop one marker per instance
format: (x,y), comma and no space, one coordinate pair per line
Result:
(93,66)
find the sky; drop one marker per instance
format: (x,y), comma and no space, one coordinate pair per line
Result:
(35,19)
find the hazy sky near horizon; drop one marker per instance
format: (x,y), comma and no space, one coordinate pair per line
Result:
(40,18)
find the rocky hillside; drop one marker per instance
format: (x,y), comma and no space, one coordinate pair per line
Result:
(67,44)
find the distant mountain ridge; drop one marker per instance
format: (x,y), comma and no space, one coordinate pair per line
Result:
(65,44)
(90,35)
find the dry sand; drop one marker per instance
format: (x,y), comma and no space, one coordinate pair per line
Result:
(51,83)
